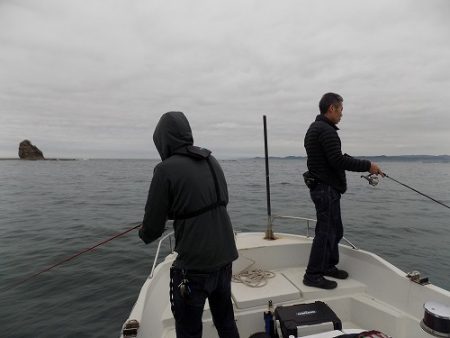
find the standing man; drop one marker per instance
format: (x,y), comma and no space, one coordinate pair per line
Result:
(326,180)
(189,187)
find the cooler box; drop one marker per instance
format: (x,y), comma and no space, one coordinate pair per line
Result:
(305,319)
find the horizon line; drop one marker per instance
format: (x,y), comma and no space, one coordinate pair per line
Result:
(226,157)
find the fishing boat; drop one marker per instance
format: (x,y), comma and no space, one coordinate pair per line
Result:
(270,299)
(376,296)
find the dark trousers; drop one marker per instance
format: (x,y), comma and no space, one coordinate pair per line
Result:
(329,230)
(188,311)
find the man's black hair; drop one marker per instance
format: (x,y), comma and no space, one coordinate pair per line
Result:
(329,99)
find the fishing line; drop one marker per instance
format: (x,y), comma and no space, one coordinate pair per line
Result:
(75,255)
(417,191)
(373,181)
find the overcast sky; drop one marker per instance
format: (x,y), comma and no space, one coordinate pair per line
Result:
(90,79)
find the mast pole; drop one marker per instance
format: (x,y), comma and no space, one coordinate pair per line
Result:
(269,232)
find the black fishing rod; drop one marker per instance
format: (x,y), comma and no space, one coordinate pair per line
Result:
(75,255)
(373,181)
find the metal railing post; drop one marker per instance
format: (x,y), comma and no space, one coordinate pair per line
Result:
(157,252)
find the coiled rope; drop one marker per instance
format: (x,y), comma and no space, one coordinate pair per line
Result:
(255,278)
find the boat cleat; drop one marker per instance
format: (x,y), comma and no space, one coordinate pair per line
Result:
(415,277)
(130,328)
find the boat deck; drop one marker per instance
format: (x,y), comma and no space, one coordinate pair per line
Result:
(350,301)
(376,296)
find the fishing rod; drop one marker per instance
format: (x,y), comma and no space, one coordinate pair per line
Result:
(373,181)
(75,255)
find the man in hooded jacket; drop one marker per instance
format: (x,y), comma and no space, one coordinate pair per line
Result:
(189,187)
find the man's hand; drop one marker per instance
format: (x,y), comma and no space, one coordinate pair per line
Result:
(375,169)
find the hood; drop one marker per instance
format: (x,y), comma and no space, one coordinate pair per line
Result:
(172,132)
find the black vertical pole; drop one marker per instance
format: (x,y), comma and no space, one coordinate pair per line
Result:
(269,231)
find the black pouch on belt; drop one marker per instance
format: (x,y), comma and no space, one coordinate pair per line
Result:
(310,180)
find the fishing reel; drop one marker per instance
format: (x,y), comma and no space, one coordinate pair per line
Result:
(373,179)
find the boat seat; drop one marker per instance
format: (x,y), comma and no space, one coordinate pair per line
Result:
(278,289)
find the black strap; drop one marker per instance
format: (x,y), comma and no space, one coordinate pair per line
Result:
(216,181)
(217,204)
(200,211)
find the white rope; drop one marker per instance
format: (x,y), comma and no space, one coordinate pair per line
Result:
(255,278)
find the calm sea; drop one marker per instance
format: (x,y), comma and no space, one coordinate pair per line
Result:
(52,209)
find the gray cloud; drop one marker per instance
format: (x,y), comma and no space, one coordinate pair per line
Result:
(92,80)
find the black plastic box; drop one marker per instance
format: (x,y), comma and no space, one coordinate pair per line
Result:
(305,319)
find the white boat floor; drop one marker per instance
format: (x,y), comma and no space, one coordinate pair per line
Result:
(349,300)
(287,285)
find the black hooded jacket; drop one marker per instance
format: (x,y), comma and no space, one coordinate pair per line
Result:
(325,159)
(189,186)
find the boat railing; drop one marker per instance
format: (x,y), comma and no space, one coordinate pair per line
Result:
(308,226)
(273,217)
(169,236)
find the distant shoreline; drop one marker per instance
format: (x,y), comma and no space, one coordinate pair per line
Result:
(47,159)
(404,158)
(380,158)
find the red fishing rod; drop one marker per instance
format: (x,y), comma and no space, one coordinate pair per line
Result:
(75,255)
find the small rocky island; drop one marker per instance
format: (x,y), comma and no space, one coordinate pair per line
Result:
(27,151)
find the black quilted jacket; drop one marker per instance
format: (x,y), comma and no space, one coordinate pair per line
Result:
(325,159)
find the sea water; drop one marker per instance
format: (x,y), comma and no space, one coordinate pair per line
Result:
(50,210)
